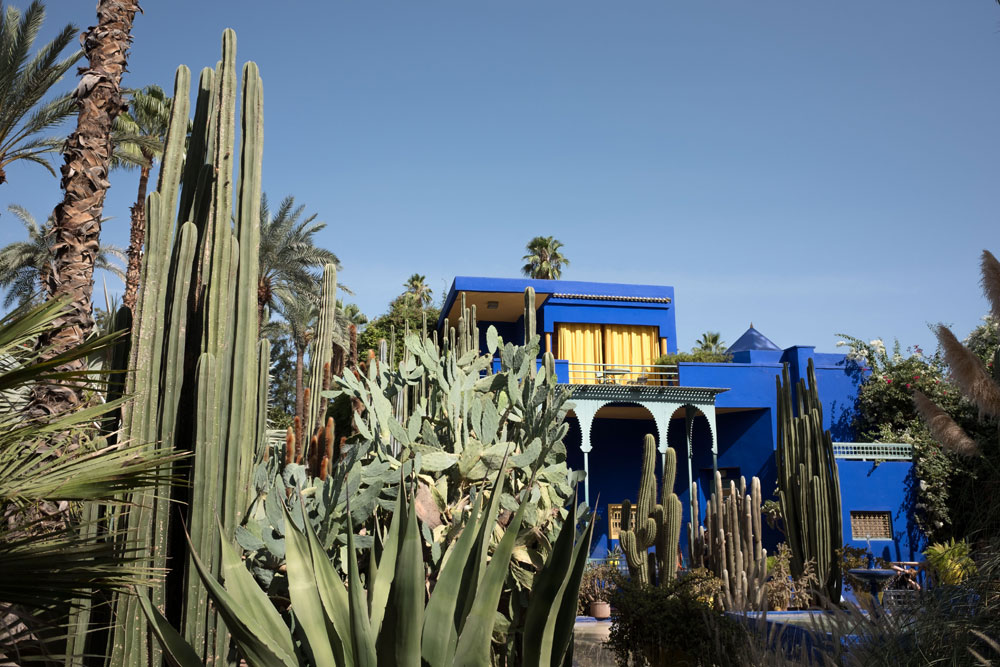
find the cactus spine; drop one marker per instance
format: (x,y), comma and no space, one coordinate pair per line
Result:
(200,380)
(808,483)
(655,524)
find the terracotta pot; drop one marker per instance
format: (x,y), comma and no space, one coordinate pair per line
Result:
(600,610)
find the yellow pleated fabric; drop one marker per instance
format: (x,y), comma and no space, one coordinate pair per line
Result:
(631,346)
(580,344)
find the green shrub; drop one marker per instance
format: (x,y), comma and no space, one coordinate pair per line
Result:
(665,625)
(699,356)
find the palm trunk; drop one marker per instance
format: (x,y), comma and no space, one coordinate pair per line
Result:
(137,238)
(263,296)
(77,229)
(300,399)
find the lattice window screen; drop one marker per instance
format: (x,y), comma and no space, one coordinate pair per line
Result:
(871,525)
(615,520)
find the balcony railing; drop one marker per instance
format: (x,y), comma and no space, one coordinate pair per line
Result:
(634,374)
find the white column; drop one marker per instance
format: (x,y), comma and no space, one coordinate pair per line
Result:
(661,415)
(689,437)
(585,411)
(709,412)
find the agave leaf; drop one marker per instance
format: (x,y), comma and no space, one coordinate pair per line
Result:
(380,586)
(177,651)
(362,640)
(408,592)
(302,589)
(250,622)
(474,640)
(440,636)
(334,597)
(566,616)
(473,572)
(548,588)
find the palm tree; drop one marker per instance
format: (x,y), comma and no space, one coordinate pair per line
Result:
(23,84)
(300,320)
(352,313)
(544,259)
(289,259)
(87,156)
(139,135)
(710,341)
(24,263)
(417,289)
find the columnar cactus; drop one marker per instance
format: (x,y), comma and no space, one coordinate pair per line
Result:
(322,350)
(200,380)
(730,544)
(808,484)
(655,524)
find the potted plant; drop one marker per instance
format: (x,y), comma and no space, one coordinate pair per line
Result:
(595,589)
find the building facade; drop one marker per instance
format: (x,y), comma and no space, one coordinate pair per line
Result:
(607,339)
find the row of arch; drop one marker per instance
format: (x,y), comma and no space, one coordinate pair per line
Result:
(662,411)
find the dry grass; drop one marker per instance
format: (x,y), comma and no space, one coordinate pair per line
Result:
(943,427)
(969,373)
(991,282)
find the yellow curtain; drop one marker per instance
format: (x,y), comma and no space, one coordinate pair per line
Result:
(630,348)
(580,344)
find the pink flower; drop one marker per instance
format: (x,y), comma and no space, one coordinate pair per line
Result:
(888,380)
(916,377)
(907,385)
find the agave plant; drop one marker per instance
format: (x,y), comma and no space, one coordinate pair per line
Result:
(389,619)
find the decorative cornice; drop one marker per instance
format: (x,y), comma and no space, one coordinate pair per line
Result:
(632,392)
(612,297)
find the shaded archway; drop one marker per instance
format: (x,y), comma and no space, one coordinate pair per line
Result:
(614,461)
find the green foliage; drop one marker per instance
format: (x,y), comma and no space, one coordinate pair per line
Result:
(50,548)
(290,261)
(418,291)
(281,397)
(663,625)
(696,355)
(544,258)
(947,484)
(392,613)
(22,263)
(404,312)
(950,563)
(597,584)
(441,407)
(710,342)
(25,80)
(139,132)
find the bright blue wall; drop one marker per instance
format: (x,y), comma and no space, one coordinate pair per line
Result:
(887,487)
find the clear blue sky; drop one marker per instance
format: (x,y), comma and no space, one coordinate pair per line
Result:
(813,168)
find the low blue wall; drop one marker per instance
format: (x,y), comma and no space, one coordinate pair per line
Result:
(889,486)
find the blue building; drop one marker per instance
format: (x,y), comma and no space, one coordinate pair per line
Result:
(606,339)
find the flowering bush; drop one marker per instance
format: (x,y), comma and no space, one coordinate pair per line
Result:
(945,482)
